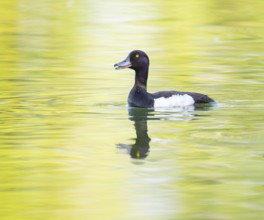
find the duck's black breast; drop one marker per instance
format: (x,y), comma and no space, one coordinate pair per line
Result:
(139,97)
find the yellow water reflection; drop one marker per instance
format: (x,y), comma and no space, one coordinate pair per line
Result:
(63,110)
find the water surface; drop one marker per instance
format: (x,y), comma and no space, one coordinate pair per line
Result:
(70,147)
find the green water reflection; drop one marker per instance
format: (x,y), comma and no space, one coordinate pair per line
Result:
(67,138)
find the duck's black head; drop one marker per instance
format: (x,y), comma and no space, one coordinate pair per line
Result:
(136,60)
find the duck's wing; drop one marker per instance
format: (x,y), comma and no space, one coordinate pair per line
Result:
(197,97)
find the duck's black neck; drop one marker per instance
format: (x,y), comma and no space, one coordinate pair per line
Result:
(141,77)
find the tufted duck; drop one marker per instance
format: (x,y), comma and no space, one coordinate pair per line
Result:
(139,97)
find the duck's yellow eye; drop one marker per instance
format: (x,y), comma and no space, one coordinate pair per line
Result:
(137,55)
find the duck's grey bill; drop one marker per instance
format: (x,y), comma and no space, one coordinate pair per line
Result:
(123,64)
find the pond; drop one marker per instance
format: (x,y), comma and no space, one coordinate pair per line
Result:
(70,147)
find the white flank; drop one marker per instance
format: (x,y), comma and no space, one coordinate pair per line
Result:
(174,101)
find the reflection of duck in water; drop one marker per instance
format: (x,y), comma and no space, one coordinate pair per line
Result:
(140,116)
(140,149)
